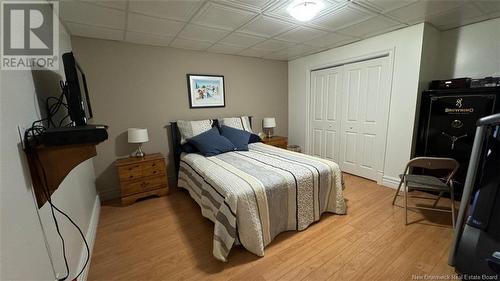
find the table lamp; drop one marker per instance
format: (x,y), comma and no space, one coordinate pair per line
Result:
(140,136)
(269,123)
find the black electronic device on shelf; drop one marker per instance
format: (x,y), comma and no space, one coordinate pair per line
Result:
(88,134)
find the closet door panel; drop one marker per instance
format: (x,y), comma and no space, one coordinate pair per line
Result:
(325,113)
(317,137)
(364,101)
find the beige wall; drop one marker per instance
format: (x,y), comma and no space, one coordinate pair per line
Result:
(144,86)
(470,51)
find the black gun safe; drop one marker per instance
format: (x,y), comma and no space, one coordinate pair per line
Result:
(447,124)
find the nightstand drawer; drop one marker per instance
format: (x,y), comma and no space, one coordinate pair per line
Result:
(276,141)
(153,168)
(133,187)
(130,172)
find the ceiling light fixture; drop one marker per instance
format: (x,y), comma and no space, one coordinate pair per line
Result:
(305,10)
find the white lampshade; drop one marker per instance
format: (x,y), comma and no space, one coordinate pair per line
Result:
(269,122)
(137,135)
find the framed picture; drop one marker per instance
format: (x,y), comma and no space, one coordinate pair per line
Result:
(206,90)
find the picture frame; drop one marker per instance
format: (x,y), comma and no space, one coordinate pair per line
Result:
(206,91)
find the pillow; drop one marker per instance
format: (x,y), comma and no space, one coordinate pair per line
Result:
(189,129)
(241,123)
(189,148)
(254,138)
(211,143)
(238,137)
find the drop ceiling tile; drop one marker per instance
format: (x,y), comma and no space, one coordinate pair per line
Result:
(273,56)
(371,27)
(221,16)
(190,44)
(342,17)
(279,9)
(90,14)
(273,45)
(146,24)
(118,4)
(266,26)
(178,10)
(196,32)
(301,34)
(94,31)
(242,39)
(253,52)
(254,5)
(385,5)
(225,49)
(330,39)
(463,15)
(423,9)
(148,39)
(342,43)
(296,50)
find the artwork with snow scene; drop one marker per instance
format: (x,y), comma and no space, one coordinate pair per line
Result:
(206,90)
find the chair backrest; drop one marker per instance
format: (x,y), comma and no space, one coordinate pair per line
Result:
(434,163)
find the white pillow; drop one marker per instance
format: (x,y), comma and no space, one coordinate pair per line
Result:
(189,129)
(241,123)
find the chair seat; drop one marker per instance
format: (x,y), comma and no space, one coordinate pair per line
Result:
(426,183)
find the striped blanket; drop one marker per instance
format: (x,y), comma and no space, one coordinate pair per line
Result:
(254,195)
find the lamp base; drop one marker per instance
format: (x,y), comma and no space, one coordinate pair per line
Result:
(139,152)
(269,132)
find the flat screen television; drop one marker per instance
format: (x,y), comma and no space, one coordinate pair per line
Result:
(76,91)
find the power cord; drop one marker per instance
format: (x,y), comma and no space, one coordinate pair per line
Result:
(37,127)
(54,207)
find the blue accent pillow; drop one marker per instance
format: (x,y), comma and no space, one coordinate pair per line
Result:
(254,138)
(238,137)
(189,148)
(211,143)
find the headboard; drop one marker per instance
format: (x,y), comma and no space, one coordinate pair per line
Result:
(176,141)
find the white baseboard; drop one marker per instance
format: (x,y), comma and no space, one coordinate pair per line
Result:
(90,237)
(390,181)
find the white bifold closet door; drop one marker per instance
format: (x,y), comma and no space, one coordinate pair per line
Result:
(326,89)
(349,115)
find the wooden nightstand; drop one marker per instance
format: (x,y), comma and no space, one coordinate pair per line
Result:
(141,177)
(281,142)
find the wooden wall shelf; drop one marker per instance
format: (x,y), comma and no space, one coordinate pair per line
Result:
(57,162)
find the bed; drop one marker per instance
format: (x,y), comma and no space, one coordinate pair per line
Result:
(252,196)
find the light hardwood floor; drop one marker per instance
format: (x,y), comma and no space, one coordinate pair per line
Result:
(168,239)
